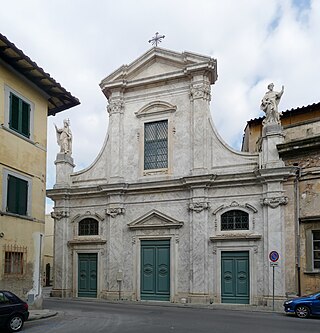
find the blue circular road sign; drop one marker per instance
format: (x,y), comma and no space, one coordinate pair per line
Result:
(274,256)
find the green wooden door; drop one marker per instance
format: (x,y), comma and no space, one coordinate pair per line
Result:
(155,270)
(235,277)
(87,275)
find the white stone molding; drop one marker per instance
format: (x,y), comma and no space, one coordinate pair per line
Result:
(59,214)
(115,106)
(235,204)
(199,206)
(155,220)
(200,90)
(274,202)
(236,236)
(156,108)
(87,214)
(113,212)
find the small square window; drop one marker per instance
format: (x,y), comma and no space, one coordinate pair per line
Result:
(15,258)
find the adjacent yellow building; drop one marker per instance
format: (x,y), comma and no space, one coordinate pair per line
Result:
(27,96)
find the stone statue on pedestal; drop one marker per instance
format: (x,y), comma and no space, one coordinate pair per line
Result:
(269,105)
(64,137)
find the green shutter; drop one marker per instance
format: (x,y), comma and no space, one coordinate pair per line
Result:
(14,112)
(19,118)
(25,122)
(17,195)
(12,194)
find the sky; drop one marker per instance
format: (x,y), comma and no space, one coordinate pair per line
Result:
(255,42)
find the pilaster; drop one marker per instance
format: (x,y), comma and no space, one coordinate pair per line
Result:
(200,95)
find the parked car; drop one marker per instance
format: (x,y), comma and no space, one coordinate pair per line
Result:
(303,306)
(13,311)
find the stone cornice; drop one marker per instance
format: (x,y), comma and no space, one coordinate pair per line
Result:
(207,180)
(87,242)
(236,237)
(299,146)
(275,174)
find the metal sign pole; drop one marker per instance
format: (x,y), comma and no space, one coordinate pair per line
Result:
(272,288)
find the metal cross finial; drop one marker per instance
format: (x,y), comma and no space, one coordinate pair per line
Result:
(156,39)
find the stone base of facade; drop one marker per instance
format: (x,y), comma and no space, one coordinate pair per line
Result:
(62,293)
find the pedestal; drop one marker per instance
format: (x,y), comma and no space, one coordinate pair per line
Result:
(64,168)
(272,135)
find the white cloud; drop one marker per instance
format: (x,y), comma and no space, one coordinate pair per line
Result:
(255,42)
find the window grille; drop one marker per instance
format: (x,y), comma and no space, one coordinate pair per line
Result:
(156,145)
(15,259)
(235,220)
(316,250)
(88,227)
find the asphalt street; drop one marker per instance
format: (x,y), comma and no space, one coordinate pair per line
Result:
(95,316)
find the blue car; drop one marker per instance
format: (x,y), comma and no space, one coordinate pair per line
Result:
(303,306)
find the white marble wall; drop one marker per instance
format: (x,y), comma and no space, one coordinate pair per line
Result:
(204,178)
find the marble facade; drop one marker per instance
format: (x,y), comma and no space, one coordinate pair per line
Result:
(183,202)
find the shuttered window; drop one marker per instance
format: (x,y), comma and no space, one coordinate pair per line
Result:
(235,220)
(17,195)
(19,115)
(156,145)
(316,250)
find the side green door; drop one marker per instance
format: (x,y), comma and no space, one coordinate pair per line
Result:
(87,275)
(235,277)
(155,270)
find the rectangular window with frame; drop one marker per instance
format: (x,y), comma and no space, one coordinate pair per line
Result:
(156,145)
(19,115)
(316,249)
(15,258)
(17,195)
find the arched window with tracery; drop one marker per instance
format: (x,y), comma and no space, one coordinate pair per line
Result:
(88,227)
(235,220)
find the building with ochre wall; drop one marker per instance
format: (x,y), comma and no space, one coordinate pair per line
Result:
(300,149)
(28,96)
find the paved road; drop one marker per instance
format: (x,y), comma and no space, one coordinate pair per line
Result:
(77,316)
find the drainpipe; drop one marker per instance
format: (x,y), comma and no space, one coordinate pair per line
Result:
(40,272)
(297,219)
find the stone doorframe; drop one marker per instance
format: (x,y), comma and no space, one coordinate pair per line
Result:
(253,266)
(174,248)
(98,249)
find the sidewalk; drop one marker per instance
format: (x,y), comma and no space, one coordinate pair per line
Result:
(40,314)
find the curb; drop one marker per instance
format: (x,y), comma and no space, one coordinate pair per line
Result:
(41,314)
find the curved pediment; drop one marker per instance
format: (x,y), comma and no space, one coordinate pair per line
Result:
(155,220)
(156,108)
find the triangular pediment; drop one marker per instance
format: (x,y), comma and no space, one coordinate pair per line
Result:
(158,64)
(155,220)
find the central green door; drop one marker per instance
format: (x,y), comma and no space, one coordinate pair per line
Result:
(87,275)
(155,270)
(235,277)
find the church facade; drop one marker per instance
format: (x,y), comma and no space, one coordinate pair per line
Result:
(168,211)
